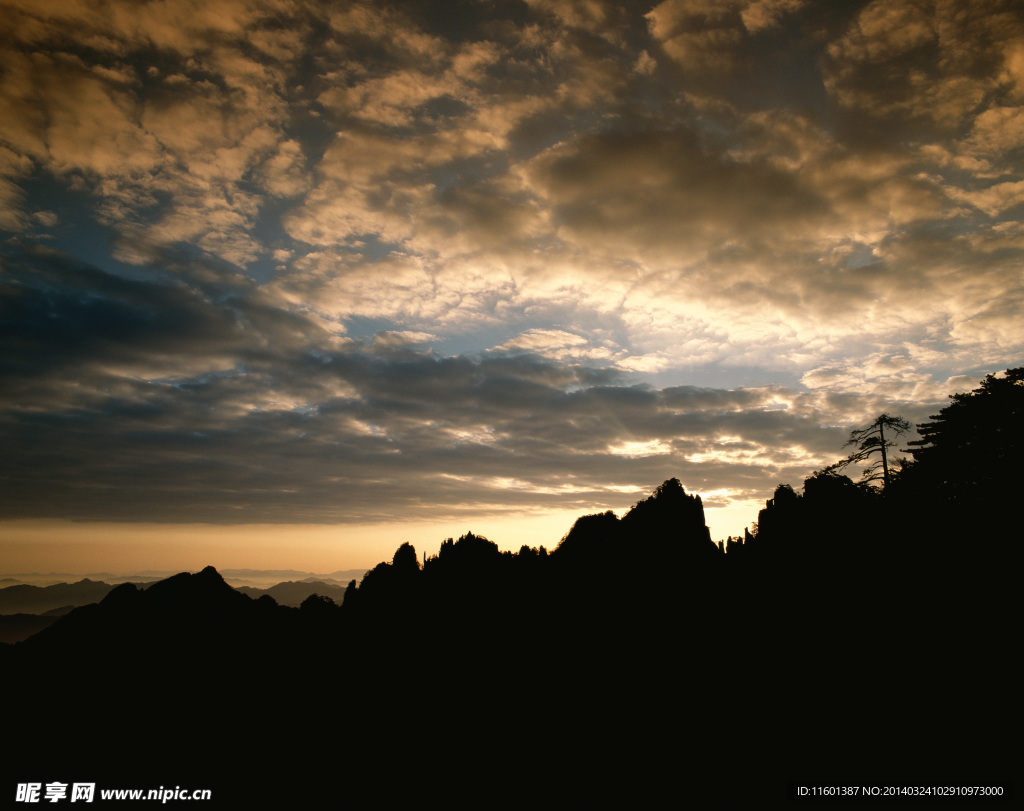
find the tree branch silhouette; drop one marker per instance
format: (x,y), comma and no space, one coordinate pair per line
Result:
(872,448)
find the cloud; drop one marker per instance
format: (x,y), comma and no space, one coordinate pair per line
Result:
(12,168)
(996,132)
(664,190)
(158,110)
(699,35)
(995,199)
(267,260)
(766,14)
(924,62)
(145,399)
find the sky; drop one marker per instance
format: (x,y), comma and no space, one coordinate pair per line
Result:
(286,283)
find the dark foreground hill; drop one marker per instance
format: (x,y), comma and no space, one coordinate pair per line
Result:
(859,638)
(483,677)
(27,609)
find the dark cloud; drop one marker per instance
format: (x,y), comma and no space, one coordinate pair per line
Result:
(927,67)
(655,189)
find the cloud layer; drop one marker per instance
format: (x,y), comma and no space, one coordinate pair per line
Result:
(290,260)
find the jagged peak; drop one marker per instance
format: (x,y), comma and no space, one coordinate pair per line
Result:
(205,584)
(120,593)
(210,573)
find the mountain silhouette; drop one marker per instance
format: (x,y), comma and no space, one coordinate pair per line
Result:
(636,661)
(293,593)
(29,599)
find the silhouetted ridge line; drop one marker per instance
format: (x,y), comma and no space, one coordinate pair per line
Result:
(24,598)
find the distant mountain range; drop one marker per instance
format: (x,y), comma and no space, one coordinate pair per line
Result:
(26,609)
(28,599)
(254,578)
(343,576)
(293,593)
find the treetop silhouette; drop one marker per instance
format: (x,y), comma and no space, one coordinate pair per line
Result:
(976,443)
(872,447)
